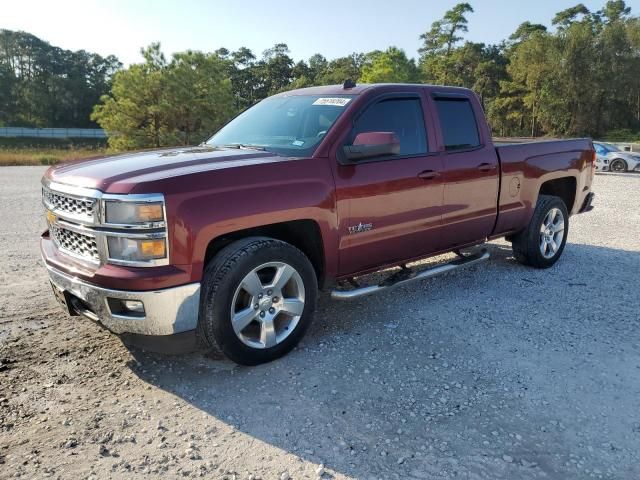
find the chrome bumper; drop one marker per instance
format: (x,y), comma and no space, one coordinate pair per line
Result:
(166,312)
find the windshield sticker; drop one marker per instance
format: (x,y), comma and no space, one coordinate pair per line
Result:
(336,101)
(297,143)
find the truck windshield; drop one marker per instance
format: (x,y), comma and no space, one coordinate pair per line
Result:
(288,125)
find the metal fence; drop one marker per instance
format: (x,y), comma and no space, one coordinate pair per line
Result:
(52,132)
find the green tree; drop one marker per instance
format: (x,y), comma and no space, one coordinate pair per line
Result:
(567,17)
(531,68)
(159,103)
(198,95)
(276,68)
(341,69)
(133,113)
(244,77)
(301,75)
(46,86)
(581,79)
(508,112)
(444,33)
(389,66)
(317,65)
(8,104)
(526,30)
(439,44)
(615,11)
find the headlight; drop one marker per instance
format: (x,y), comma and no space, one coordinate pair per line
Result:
(133,213)
(136,249)
(135,230)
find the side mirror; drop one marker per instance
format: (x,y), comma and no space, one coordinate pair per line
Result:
(372,144)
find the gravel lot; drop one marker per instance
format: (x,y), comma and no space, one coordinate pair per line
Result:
(498,371)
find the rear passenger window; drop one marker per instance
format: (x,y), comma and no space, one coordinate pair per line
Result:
(458,123)
(403,116)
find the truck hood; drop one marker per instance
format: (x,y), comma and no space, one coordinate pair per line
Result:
(121,173)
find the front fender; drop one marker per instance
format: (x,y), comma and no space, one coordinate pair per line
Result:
(256,197)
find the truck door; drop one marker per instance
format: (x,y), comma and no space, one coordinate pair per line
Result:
(470,166)
(389,206)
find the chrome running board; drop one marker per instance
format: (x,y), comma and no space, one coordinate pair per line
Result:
(406,275)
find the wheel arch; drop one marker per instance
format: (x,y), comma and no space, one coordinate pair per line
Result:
(564,188)
(305,235)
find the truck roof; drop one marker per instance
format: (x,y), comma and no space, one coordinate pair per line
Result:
(362,87)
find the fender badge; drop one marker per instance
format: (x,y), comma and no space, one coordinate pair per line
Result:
(360,228)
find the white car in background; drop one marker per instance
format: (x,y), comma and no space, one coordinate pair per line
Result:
(611,158)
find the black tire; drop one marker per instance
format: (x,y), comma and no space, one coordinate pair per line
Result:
(526,245)
(618,162)
(225,273)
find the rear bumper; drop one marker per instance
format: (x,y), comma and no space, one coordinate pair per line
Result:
(166,312)
(587,204)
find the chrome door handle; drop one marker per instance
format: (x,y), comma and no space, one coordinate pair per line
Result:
(428,174)
(486,167)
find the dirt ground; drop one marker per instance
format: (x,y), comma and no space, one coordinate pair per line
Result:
(498,371)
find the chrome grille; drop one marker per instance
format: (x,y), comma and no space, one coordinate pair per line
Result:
(81,208)
(78,244)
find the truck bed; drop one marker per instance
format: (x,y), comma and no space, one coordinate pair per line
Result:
(527,164)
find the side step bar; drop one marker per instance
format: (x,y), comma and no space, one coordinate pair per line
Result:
(407,275)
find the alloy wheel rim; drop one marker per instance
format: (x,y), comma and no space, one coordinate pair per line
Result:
(551,233)
(267,305)
(617,166)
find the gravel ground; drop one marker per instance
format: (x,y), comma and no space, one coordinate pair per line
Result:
(498,371)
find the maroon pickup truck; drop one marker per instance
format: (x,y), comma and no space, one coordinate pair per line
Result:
(309,189)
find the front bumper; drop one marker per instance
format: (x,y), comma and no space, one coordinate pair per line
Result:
(167,311)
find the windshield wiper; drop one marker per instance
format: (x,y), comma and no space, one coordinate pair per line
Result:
(242,146)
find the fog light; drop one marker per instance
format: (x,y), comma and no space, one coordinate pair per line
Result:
(126,308)
(134,306)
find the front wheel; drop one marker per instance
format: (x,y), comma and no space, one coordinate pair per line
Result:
(258,297)
(542,243)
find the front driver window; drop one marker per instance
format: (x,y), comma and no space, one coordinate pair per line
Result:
(402,116)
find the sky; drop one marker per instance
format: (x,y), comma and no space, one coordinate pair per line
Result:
(332,27)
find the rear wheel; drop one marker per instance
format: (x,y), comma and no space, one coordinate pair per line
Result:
(542,243)
(258,297)
(618,165)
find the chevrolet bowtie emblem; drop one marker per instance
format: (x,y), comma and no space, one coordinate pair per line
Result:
(51,217)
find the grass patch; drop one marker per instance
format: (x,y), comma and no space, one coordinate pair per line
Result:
(15,151)
(51,156)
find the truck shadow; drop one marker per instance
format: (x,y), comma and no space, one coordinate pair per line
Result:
(410,383)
